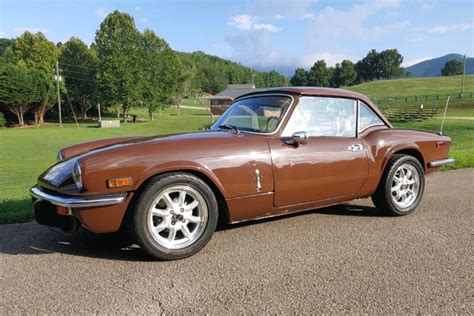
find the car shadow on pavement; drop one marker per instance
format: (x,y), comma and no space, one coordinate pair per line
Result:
(338,210)
(34,239)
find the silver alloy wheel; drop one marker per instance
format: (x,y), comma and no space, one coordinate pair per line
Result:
(405,186)
(177,217)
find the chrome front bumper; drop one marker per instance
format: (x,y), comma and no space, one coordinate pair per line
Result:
(77,202)
(439,163)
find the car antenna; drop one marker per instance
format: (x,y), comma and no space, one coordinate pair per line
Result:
(444,116)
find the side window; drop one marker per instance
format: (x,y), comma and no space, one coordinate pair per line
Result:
(320,116)
(367,118)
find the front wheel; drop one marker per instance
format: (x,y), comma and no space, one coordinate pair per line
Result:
(401,187)
(175,216)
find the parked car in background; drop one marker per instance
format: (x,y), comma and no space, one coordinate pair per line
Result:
(272,152)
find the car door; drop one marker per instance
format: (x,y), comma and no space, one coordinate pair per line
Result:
(333,164)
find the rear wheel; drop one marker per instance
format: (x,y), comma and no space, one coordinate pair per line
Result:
(175,216)
(401,187)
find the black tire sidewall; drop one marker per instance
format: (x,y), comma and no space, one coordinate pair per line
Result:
(397,162)
(148,194)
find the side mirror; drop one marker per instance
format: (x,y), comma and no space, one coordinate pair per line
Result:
(298,138)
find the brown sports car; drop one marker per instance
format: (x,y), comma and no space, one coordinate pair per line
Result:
(274,152)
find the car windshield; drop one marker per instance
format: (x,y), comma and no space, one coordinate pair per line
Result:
(261,114)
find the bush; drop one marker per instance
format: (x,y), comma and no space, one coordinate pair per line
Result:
(3,121)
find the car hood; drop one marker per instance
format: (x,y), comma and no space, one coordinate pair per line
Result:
(133,157)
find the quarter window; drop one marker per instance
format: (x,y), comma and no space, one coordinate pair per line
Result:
(367,118)
(321,116)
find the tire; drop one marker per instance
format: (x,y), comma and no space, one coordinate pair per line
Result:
(175,215)
(402,186)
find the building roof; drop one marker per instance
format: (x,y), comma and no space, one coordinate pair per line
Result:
(233,91)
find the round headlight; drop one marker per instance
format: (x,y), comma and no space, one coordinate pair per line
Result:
(77,176)
(60,156)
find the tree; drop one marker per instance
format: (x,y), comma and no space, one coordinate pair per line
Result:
(35,51)
(383,65)
(299,78)
(161,72)
(17,89)
(319,75)
(119,47)
(4,44)
(345,74)
(368,67)
(452,68)
(79,67)
(389,64)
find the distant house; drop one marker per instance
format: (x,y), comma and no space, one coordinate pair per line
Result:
(221,101)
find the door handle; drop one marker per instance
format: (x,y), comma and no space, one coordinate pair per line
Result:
(355,147)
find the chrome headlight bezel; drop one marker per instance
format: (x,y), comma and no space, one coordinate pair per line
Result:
(77,175)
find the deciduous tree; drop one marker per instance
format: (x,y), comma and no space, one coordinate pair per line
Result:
(79,68)
(119,46)
(452,68)
(299,78)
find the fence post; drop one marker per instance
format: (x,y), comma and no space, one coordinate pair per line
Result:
(437,97)
(406,99)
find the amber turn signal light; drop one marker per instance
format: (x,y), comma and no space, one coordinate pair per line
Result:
(119,182)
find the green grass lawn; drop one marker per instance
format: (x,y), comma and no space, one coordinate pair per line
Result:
(26,152)
(415,87)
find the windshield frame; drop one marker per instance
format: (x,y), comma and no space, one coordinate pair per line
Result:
(277,129)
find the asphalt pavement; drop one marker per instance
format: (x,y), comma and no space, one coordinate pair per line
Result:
(343,259)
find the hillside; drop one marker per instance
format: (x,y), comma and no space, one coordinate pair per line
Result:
(414,86)
(212,74)
(432,67)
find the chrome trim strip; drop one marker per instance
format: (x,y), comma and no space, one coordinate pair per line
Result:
(439,163)
(257,177)
(77,202)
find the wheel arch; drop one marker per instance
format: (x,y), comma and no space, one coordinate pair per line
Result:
(413,151)
(221,202)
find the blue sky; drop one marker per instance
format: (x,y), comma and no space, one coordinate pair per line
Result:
(267,34)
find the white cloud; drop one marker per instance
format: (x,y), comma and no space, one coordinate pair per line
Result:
(144,20)
(2,34)
(441,29)
(138,9)
(331,22)
(101,13)
(249,22)
(20,30)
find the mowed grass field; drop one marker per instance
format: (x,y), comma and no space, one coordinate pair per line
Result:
(415,87)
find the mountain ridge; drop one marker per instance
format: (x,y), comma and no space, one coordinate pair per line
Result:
(432,67)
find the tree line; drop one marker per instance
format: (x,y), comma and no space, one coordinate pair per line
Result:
(121,69)
(374,66)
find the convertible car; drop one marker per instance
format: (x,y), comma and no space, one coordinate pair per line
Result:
(272,152)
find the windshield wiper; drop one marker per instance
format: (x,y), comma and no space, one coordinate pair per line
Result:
(231,127)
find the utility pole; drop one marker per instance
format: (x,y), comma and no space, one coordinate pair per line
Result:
(463,75)
(58,80)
